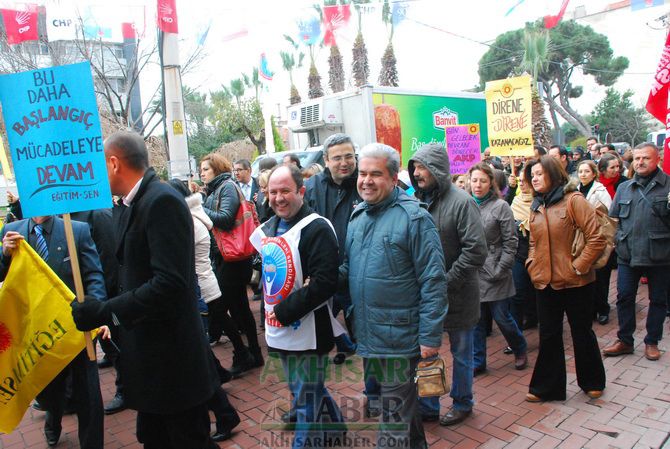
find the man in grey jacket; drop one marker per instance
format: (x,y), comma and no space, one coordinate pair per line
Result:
(459,223)
(394,270)
(643,249)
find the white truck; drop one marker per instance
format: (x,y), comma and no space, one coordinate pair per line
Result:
(400,118)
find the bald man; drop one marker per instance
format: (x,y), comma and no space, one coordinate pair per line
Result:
(156,308)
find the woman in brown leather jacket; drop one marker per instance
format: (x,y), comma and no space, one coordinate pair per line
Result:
(564,283)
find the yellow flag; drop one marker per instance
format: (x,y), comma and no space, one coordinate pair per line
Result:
(509,113)
(38,338)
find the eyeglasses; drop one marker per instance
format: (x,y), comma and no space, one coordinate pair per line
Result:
(237,170)
(346,157)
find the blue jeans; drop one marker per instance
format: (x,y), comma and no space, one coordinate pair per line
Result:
(372,386)
(461,345)
(627,282)
(503,318)
(305,375)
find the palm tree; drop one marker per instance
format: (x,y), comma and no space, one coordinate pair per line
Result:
(359,64)
(237,90)
(314,79)
(536,53)
(289,63)
(388,76)
(336,70)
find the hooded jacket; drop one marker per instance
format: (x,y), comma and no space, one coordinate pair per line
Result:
(459,224)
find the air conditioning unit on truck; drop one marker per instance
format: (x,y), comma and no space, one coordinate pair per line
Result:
(401,118)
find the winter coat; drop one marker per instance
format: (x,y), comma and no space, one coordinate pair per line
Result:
(598,194)
(394,270)
(221,206)
(552,231)
(209,287)
(495,277)
(321,189)
(643,236)
(459,224)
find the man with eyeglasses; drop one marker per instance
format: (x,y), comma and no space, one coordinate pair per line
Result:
(247,183)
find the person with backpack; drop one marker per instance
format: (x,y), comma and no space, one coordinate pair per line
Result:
(564,283)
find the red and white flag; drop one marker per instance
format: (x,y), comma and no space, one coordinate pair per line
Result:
(167,16)
(552,21)
(21,25)
(334,17)
(657,103)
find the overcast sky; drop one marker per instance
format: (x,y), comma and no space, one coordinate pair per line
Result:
(437,47)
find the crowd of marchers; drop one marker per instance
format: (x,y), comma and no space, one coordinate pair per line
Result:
(405,255)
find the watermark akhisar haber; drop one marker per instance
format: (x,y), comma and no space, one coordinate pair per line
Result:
(284,440)
(306,368)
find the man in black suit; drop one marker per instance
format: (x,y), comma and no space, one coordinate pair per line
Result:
(247,183)
(165,364)
(47,236)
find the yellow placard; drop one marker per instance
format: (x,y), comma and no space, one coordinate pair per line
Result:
(38,338)
(509,114)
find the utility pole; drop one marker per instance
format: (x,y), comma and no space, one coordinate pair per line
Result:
(173,107)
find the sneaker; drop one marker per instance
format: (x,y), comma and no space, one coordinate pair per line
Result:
(521,361)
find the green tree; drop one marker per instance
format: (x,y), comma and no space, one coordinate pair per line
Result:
(239,118)
(574,48)
(279,143)
(617,115)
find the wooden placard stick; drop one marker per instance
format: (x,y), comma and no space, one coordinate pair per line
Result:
(76,275)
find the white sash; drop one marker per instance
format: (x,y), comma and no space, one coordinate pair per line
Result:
(281,276)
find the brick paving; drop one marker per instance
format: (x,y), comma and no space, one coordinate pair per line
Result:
(634,412)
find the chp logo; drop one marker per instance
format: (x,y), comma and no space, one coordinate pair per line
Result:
(5,338)
(443,118)
(278,269)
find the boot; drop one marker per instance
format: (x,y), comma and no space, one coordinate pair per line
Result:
(242,361)
(258,357)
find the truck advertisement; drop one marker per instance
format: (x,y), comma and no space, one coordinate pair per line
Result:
(406,121)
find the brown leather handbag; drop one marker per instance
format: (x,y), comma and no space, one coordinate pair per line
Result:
(431,378)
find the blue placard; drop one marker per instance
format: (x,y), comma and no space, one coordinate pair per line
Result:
(53,127)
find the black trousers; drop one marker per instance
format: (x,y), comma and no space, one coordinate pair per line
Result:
(187,429)
(234,277)
(549,378)
(86,400)
(602,287)
(112,353)
(220,322)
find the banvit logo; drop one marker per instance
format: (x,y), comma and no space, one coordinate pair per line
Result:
(444,117)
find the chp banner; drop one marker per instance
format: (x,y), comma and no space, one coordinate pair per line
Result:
(657,103)
(509,116)
(55,140)
(463,147)
(38,337)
